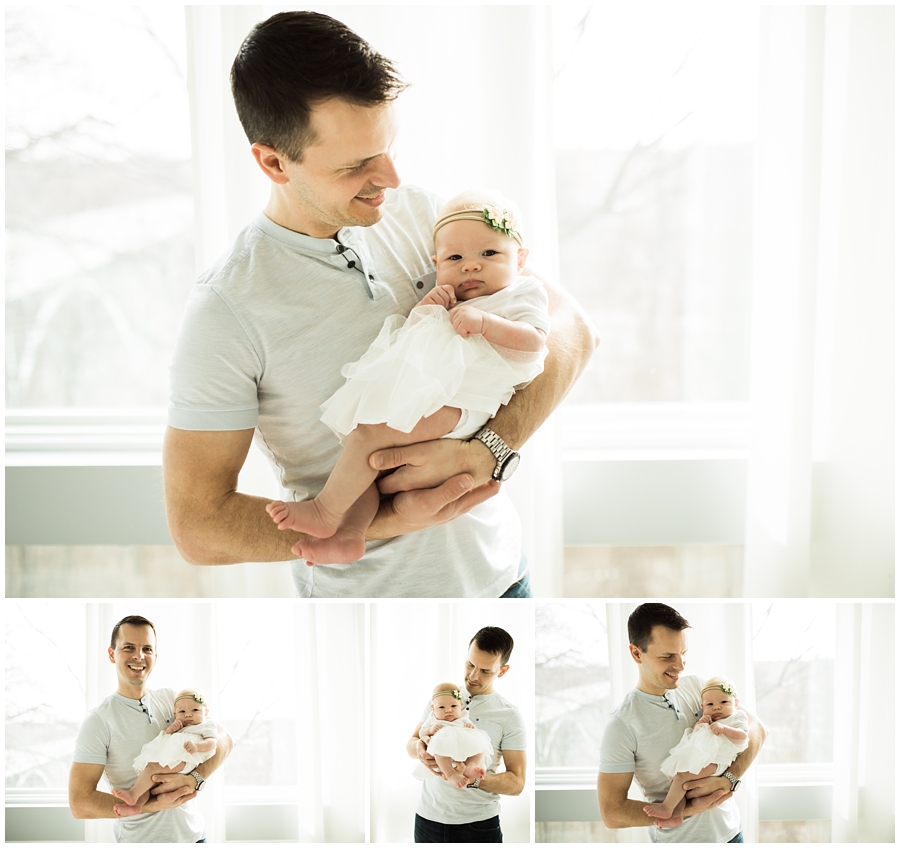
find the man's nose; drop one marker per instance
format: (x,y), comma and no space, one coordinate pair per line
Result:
(386,176)
(678,662)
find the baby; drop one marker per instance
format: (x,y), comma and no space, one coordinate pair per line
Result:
(455,743)
(442,372)
(188,741)
(708,748)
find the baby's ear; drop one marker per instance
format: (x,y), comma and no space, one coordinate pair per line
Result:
(434,259)
(523,255)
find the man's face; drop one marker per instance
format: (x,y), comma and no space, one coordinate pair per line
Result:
(476,259)
(662,664)
(446,708)
(482,669)
(716,704)
(342,176)
(189,712)
(134,657)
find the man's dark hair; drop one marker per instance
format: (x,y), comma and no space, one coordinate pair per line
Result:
(295,60)
(137,620)
(647,616)
(494,640)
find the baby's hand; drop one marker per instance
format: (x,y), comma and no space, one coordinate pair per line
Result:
(705,720)
(717,729)
(190,747)
(467,321)
(174,727)
(440,296)
(469,725)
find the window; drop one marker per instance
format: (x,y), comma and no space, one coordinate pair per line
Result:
(99,215)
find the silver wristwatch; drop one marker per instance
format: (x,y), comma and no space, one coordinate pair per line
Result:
(735,782)
(507,458)
(200,781)
(476,784)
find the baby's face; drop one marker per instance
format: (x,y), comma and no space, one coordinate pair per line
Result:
(716,704)
(446,708)
(476,259)
(189,712)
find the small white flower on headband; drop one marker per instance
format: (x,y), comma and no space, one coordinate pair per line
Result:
(502,220)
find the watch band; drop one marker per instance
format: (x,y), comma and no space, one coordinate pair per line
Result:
(735,782)
(475,784)
(200,781)
(507,458)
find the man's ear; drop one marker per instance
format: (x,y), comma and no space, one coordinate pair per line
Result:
(112,655)
(523,255)
(503,671)
(635,653)
(270,162)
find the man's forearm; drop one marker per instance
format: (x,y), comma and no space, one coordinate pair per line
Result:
(224,747)
(95,805)
(570,345)
(504,783)
(758,735)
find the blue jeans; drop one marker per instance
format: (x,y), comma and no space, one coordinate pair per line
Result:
(480,831)
(522,587)
(738,838)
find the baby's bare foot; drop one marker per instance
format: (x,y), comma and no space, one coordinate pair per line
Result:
(305,517)
(341,547)
(126,796)
(459,781)
(122,810)
(657,811)
(474,773)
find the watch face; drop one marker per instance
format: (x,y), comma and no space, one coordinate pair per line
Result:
(511,464)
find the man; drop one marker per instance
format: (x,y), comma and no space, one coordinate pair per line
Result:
(472,813)
(306,288)
(113,734)
(650,721)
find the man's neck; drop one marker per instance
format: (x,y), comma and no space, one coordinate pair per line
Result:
(133,693)
(280,212)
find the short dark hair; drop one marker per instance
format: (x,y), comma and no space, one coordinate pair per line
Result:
(494,640)
(647,616)
(293,61)
(137,620)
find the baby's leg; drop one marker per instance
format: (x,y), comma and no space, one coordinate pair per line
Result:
(352,475)
(474,767)
(445,764)
(675,796)
(349,543)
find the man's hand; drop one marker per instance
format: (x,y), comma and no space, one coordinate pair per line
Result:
(706,793)
(173,791)
(427,760)
(429,464)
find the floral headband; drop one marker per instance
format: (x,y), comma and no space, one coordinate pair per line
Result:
(453,693)
(496,218)
(728,690)
(192,696)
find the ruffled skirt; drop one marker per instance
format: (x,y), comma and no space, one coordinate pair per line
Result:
(417,365)
(167,749)
(460,743)
(697,750)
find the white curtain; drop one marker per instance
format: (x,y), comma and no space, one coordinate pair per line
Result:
(413,646)
(864,718)
(820,471)
(477,115)
(719,642)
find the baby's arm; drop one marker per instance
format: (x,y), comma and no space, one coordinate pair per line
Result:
(174,727)
(735,734)
(200,747)
(515,335)
(427,732)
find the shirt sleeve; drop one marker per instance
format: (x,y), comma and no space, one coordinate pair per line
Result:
(93,740)
(515,737)
(617,748)
(215,369)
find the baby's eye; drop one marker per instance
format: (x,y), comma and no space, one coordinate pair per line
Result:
(455,257)
(489,253)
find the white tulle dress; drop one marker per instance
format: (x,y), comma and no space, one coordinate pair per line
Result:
(459,742)
(420,363)
(699,747)
(167,749)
